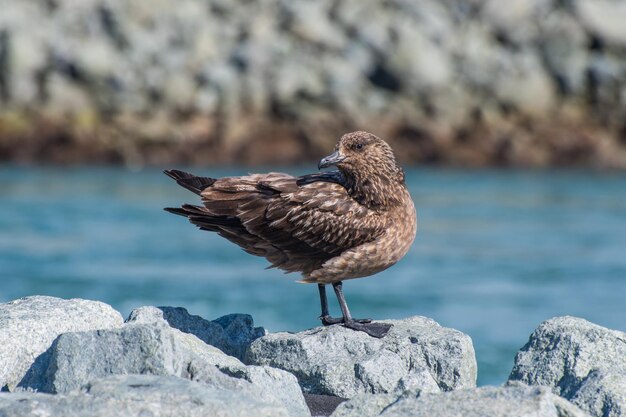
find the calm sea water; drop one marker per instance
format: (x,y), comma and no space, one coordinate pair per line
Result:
(497,252)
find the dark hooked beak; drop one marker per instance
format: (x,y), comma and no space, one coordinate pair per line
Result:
(332,159)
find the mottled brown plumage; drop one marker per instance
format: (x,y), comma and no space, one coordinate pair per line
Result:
(329,226)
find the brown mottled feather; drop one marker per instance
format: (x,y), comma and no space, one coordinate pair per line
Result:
(312,224)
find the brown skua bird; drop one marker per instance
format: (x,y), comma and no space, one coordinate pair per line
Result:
(330,226)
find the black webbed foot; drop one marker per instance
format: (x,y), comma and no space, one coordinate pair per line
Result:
(378,330)
(329,321)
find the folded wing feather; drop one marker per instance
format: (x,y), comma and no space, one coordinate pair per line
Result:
(296,227)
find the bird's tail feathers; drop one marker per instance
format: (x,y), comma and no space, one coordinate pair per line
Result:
(177,210)
(191,182)
(202,218)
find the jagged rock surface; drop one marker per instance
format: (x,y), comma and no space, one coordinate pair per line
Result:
(75,359)
(578,360)
(28,327)
(507,401)
(417,353)
(140,396)
(232,334)
(81,351)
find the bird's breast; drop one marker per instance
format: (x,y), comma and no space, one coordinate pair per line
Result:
(377,255)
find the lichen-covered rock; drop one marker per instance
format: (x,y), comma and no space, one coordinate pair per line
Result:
(416,354)
(75,359)
(140,396)
(578,360)
(232,334)
(28,327)
(508,401)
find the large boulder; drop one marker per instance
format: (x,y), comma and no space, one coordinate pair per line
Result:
(28,327)
(417,353)
(75,359)
(578,360)
(139,396)
(232,333)
(509,401)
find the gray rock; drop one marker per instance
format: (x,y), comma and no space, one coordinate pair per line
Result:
(564,53)
(365,405)
(602,394)
(232,334)
(140,395)
(75,359)
(416,354)
(578,360)
(229,66)
(508,401)
(606,18)
(28,327)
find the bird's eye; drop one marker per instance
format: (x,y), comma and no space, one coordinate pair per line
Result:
(359,146)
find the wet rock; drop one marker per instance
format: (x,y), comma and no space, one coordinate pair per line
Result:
(232,334)
(28,327)
(75,359)
(512,400)
(578,360)
(140,395)
(417,353)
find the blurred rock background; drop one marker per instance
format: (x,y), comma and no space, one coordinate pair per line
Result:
(468,83)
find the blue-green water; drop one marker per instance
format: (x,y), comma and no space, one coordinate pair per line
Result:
(497,252)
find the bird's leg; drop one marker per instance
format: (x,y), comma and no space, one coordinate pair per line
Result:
(338,287)
(378,330)
(325,317)
(347,317)
(323,299)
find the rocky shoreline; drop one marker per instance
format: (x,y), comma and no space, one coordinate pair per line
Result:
(534,84)
(81,358)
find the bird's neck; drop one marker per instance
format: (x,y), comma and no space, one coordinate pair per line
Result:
(376,191)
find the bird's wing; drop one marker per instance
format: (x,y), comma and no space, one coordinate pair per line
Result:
(323,215)
(316,218)
(296,223)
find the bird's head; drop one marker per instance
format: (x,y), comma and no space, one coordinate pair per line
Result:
(363,155)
